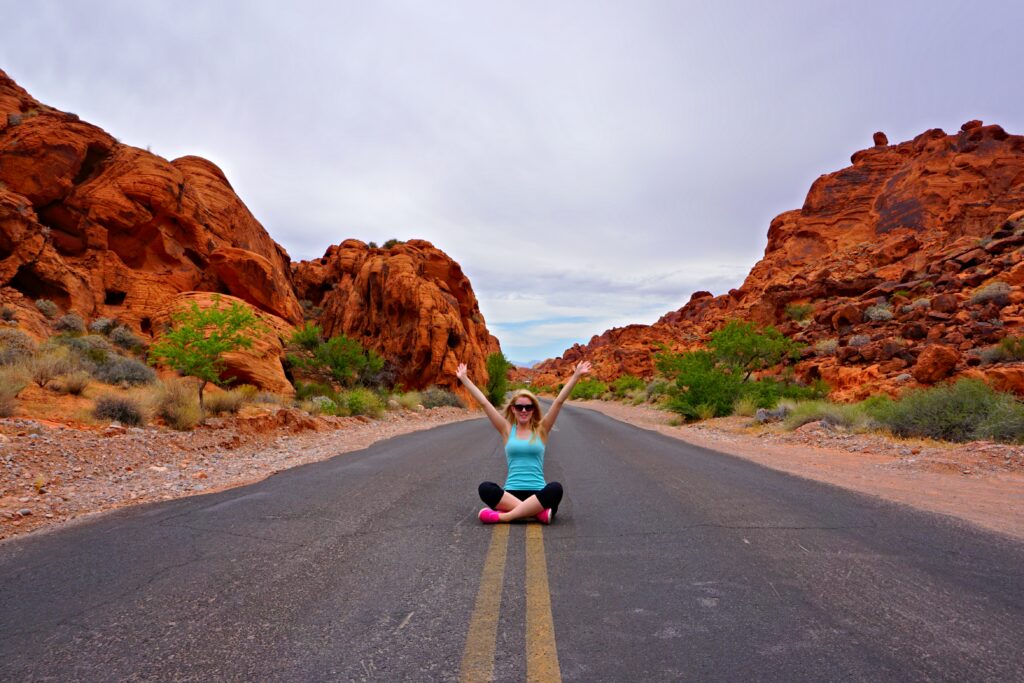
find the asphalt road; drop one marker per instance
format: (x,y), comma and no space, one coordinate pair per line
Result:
(667,562)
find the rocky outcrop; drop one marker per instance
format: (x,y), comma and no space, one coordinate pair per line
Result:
(898,248)
(109,230)
(410,302)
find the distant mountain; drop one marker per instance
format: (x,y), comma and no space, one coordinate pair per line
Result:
(525,364)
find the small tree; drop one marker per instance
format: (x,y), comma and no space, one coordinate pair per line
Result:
(198,339)
(497,377)
(341,357)
(747,348)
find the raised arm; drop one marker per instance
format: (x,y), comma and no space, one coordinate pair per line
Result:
(495,417)
(581,369)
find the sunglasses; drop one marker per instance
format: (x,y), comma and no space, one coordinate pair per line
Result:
(523,407)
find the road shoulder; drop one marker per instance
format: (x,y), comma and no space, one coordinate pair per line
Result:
(981,483)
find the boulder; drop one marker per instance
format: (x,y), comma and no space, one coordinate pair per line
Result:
(935,363)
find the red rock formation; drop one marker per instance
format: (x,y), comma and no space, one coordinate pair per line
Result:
(109,230)
(917,227)
(410,302)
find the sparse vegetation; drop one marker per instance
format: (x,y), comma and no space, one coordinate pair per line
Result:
(392,243)
(47,366)
(832,414)
(176,403)
(123,409)
(124,337)
(859,340)
(826,347)
(878,313)
(121,370)
(47,308)
(13,380)
(102,326)
(70,323)
(625,384)
(409,400)
(588,388)
(436,397)
(15,346)
(799,312)
(745,406)
(74,383)
(225,402)
(340,358)
(997,292)
(88,348)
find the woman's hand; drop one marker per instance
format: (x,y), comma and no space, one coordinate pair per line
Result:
(462,373)
(582,368)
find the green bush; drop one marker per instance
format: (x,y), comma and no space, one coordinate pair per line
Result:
(118,369)
(1012,347)
(951,412)
(497,377)
(70,323)
(47,308)
(746,347)
(835,414)
(699,383)
(409,400)
(745,406)
(308,337)
(767,392)
(436,397)
(705,411)
(392,243)
(342,358)
(799,312)
(625,384)
(123,409)
(656,389)
(361,401)
(306,390)
(588,388)
(15,346)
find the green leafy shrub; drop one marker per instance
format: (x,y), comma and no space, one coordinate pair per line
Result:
(588,388)
(799,312)
(436,397)
(118,369)
(123,409)
(47,308)
(15,346)
(392,243)
(307,390)
(951,412)
(362,401)
(342,358)
(175,401)
(997,292)
(102,326)
(746,347)
(225,402)
(497,377)
(124,337)
(705,411)
(699,383)
(625,384)
(307,337)
(70,323)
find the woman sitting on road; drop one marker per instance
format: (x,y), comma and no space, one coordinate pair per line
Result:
(524,429)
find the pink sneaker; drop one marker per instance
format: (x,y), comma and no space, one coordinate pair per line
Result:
(489,516)
(546,517)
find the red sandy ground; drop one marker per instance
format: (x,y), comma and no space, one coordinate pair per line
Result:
(981,482)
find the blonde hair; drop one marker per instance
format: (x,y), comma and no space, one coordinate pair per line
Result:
(535,417)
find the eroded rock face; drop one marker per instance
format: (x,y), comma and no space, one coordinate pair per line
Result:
(110,230)
(914,230)
(411,303)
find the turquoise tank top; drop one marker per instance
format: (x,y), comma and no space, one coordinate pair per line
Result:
(525,463)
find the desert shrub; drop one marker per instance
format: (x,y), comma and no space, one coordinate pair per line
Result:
(834,414)
(878,313)
(902,292)
(308,337)
(47,308)
(102,326)
(588,388)
(745,406)
(248,392)
(1004,423)
(435,397)
(225,402)
(859,340)
(700,383)
(656,389)
(625,384)
(118,369)
(371,245)
(951,412)
(636,397)
(767,392)
(826,347)
(74,383)
(922,302)
(45,367)
(1012,347)
(342,358)
(90,347)
(497,377)
(306,390)
(125,338)
(8,313)
(799,312)
(123,409)
(13,380)
(362,401)
(409,400)
(176,402)
(705,411)
(321,404)
(70,323)
(15,346)
(992,354)
(996,292)
(392,243)
(746,347)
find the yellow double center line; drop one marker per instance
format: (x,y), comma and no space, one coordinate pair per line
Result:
(541,653)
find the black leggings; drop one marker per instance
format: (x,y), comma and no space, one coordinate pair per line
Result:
(549,496)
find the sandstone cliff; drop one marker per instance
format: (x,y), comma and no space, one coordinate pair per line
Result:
(109,230)
(913,231)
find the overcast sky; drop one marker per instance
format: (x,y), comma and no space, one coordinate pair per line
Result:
(588,163)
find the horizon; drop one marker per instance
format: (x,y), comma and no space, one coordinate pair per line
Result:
(620,158)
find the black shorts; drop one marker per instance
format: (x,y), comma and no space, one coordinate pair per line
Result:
(549,496)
